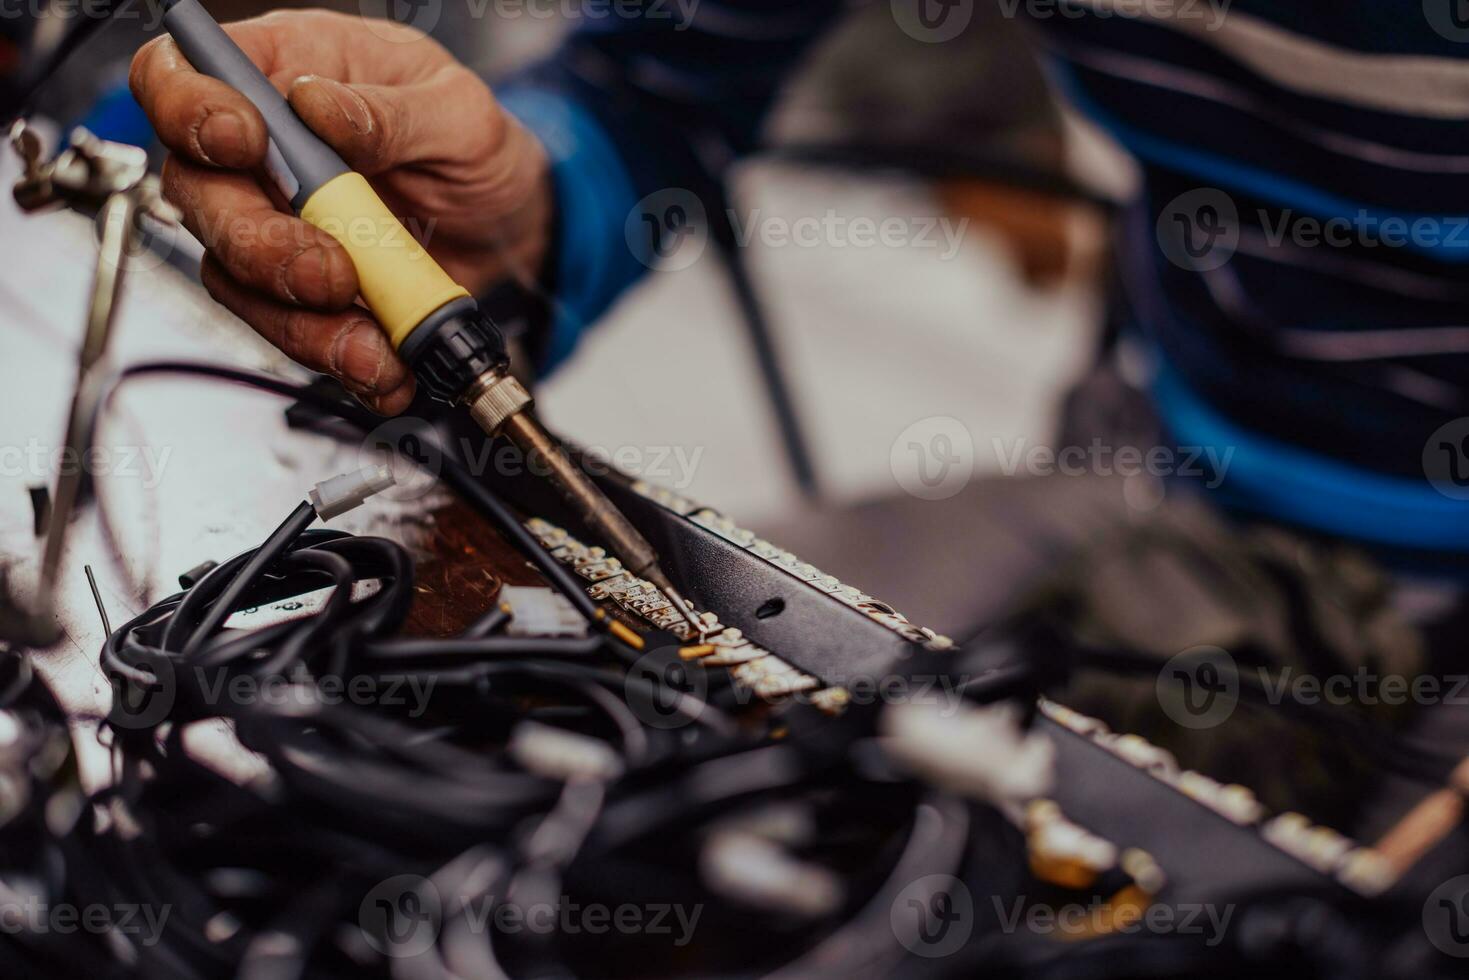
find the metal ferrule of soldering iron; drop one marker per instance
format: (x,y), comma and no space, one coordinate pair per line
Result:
(456,352)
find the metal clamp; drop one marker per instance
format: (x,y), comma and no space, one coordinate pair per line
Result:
(112,180)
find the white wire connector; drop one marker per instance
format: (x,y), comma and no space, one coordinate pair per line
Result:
(561,754)
(347,492)
(538,611)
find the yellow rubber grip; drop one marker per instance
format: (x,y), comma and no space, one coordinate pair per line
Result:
(400,281)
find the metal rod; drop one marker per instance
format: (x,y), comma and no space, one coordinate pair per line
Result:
(596,511)
(97,598)
(117,219)
(767,353)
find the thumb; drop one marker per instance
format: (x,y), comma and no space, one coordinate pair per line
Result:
(373,127)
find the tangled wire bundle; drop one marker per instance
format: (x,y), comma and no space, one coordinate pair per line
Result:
(322,797)
(477,806)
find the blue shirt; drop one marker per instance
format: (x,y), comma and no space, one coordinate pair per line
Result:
(1298,254)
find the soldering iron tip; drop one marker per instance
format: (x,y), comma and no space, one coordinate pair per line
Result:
(685,610)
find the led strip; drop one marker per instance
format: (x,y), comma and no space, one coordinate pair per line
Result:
(752,666)
(1356,866)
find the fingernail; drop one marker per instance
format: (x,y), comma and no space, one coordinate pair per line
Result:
(222,138)
(348,103)
(359,355)
(388,402)
(311,279)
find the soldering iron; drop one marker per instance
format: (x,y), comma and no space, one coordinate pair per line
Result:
(458,354)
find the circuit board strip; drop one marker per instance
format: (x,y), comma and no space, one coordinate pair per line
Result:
(1353,865)
(753,667)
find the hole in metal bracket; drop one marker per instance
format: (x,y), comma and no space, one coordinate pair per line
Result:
(771,607)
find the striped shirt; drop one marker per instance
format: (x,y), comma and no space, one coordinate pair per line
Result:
(1297,255)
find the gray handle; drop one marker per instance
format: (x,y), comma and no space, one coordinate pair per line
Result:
(300,162)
